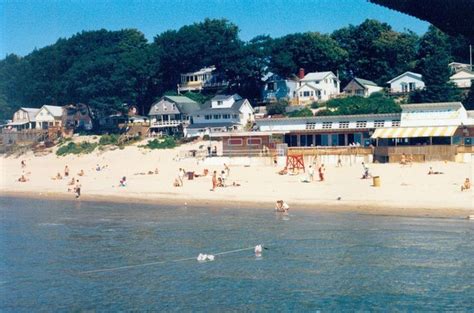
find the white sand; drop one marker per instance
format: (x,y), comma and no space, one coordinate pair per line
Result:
(405,190)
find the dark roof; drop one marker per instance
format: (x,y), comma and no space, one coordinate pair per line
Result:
(206,125)
(183,105)
(225,97)
(235,108)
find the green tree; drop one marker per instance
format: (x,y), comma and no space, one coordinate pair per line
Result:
(312,51)
(376,103)
(434,57)
(469,101)
(305,112)
(375,51)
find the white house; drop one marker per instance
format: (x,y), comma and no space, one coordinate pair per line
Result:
(24,118)
(462,78)
(48,116)
(222,113)
(456,66)
(317,86)
(406,82)
(361,87)
(199,80)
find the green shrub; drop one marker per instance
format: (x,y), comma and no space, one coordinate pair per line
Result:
(73,148)
(165,143)
(108,140)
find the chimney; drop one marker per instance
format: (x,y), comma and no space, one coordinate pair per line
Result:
(301,73)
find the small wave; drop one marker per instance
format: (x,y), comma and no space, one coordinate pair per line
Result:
(50,224)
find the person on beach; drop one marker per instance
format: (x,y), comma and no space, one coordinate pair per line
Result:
(57,177)
(156,171)
(66,171)
(339,162)
(72,182)
(466,185)
(214,151)
(81,173)
(403,160)
(227,169)
(431,172)
(181,175)
(23,179)
(209,151)
(23,164)
(223,178)
(281,207)
(214,180)
(322,170)
(310,173)
(77,189)
(366,174)
(97,168)
(123,182)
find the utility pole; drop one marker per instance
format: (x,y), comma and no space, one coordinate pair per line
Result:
(470,56)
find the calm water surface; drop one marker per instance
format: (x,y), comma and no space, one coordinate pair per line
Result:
(315,261)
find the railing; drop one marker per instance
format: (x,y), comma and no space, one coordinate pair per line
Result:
(419,153)
(336,150)
(166,123)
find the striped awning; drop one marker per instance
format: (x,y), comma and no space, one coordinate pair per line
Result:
(411,132)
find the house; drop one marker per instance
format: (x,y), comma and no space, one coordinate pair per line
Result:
(463,78)
(316,86)
(222,113)
(276,88)
(406,82)
(361,87)
(171,114)
(77,117)
(49,116)
(456,66)
(24,118)
(205,78)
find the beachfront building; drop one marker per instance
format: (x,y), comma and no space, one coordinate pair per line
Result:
(171,114)
(77,117)
(49,116)
(24,118)
(222,113)
(205,78)
(406,82)
(342,130)
(276,88)
(316,86)
(462,78)
(361,87)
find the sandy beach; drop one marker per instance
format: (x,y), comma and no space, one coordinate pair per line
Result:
(405,190)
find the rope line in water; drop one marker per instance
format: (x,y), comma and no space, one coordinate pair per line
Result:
(157,262)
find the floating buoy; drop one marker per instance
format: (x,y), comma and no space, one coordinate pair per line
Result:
(258,249)
(205,257)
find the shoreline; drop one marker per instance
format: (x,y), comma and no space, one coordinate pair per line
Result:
(321,206)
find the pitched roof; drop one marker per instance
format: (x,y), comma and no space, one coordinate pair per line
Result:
(463,70)
(182,105)
(225,97)
(316,76)
(310,85)
(365,82)
(431,105)
(55,111)
(31,113)
(235,108)
(416,75)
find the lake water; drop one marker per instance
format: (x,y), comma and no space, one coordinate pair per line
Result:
(314,261)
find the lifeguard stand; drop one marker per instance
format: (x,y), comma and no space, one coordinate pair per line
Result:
(295,161)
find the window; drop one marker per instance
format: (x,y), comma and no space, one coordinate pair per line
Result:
(395,123)
(404,87)
(226,116)
(254,141)
(235,116)
(271,87)
(306,93)
(207,117)
(344,124)
(361,124)
(310,125)
(411,86)
(379,124)
(235,141)
(327,125)
(217,116)
(219,102)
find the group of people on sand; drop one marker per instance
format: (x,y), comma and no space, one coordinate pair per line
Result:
(406,160)
(221,179)
(310,172)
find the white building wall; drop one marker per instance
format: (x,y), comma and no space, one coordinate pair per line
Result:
(372,89)
(396,86)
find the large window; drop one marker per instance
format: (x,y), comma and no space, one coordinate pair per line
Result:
(235,141)
(217,116)
(324,140)
(254,141)
(306,93)
(226,116)
(411,86)
(334,140)
(207,117)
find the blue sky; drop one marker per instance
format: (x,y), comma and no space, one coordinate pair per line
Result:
(26,24)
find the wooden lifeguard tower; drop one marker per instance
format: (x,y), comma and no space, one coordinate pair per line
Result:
(295,162)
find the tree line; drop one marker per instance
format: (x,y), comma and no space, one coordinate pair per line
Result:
(106,69)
